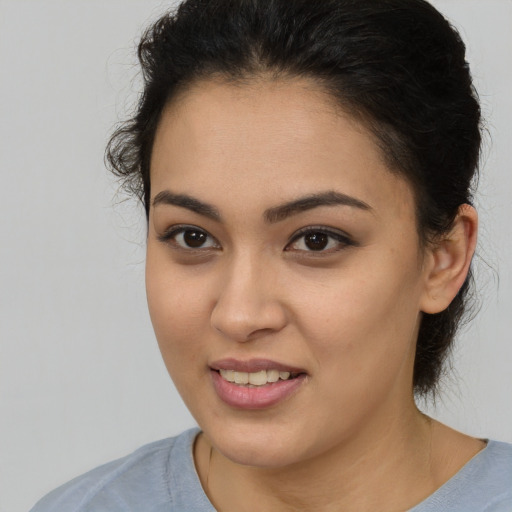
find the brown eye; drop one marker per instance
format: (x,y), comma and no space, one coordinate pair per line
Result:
(319,240)
(194,238)
(189,237)
(316,241)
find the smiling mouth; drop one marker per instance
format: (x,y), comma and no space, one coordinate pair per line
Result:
(256,379)
(255,384)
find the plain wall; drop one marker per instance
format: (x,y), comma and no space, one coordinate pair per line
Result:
(81,380)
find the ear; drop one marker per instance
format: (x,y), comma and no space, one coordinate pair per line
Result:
(447,261)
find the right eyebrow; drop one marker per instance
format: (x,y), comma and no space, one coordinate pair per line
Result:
(190,203)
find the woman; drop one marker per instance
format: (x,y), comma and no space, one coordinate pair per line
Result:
(306,170)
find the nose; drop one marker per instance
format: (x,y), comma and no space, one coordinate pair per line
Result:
(248,304)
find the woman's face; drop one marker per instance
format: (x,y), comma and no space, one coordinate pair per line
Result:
(280,242)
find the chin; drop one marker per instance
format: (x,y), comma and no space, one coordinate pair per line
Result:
(256,446)
(255,455)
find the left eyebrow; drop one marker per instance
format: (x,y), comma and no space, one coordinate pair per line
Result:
(329,198)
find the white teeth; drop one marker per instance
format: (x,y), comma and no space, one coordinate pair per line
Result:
(229,375)
(254,379)
(241,378)
(272,375)
(258,379)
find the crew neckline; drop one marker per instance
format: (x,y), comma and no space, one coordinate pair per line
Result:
(456,493)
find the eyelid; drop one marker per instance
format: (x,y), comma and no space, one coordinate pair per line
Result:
(171,232)
(341,237)
(337,234)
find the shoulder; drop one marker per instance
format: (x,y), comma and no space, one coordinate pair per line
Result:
(496,471)
(484,484)
(139,481)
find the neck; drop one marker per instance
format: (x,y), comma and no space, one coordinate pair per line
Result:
(392,465)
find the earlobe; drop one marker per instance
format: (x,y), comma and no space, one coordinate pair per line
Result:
(448,261)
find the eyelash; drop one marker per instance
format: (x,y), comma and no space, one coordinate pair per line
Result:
(170,237)
(340,238)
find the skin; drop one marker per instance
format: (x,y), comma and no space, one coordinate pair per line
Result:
(351,437)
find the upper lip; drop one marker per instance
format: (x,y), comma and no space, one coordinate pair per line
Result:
(253,365)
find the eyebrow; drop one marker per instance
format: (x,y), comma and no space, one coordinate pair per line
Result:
(329,198)
(188,202)
(272,215)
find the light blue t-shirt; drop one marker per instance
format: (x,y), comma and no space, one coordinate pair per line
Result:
(161,477)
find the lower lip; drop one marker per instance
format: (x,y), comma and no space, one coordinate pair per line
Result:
(261,397)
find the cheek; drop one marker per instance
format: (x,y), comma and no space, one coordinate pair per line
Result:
(361,316)
(177,309)
(178,320)
(362,337)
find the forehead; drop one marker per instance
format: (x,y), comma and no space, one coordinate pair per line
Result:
(267,139)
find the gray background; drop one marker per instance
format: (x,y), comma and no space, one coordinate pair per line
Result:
(81,380)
